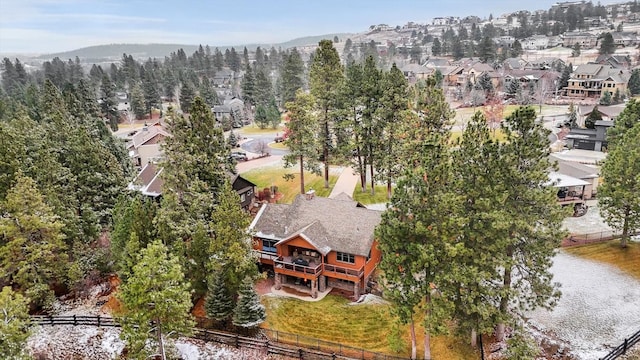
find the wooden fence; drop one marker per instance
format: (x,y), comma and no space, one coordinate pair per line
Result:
(591,238)
(300,349)
(622,348)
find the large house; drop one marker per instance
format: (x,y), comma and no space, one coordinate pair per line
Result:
(145,145)
(316,243)
(149,183)
(590,80)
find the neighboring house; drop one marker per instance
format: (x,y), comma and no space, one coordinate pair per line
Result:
(616,61)
(415,72)
(145,145)
(149,183)
(590,80)
(543,81)
(586,40)
(535,42)
(223,77)
(472,71)
(590,139)
(580,171)
(318,243)
(625,38)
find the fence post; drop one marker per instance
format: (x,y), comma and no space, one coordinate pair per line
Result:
(624,349)
(98,320)
(75,322)
(333,356)
(300,353)
(237,341)
(51,320)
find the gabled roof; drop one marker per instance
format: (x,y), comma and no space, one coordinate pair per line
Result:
(147,134)
(575,169)
(328,224)
(148,181)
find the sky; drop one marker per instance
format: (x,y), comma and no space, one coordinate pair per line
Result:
(49,26)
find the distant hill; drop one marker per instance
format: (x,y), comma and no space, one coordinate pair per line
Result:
(143,51)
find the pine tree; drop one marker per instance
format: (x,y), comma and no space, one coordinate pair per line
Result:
(109,102)
(626,120)
(606,99)
(634,82)
(32,253)
(573,116)
(531,234)
(620,192)
(14,325)
(232,140)
(151,94)
(326,78)
(187,94)
(155,301)
(248,86)
(393,106)
(263,91)
(476,157)
(594,115)
(208,93)
(291,75)
(607,45)
(261,118)
(219,301)
(302,142)
(249,312)
(137,101)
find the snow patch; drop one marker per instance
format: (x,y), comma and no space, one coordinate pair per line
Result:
(599,307)
(370,299)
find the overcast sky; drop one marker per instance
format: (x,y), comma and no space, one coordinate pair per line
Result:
(46,26)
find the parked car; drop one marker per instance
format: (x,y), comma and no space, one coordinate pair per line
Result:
(239,156)
(278,139)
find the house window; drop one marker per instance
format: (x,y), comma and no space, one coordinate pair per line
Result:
(269,245)
(242,198)
(345,257)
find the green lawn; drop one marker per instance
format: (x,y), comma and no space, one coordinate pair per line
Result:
(269,176)
(363,326)
(365,198)
(610,252)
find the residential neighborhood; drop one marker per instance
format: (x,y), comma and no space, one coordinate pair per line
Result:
(457,186)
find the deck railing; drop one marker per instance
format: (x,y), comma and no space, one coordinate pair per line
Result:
(279,263)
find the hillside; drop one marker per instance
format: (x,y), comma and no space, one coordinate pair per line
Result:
(144,51)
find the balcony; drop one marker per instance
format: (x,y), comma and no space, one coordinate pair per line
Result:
(335,270)
(285,265)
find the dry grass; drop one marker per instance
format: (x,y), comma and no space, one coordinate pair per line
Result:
(362,326)
(609,252)
(253,129)
(269,176)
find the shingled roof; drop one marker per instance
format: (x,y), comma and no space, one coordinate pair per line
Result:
(327,224)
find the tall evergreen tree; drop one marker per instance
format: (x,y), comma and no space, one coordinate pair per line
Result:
(219,302)
(137,101)
(626,120)
(291,75)
(529,239)
(301,140)
(151,94)
(32,252)
(248,86)
(393,111)
(187,94)
(620,192)
(109,102)
(607,45)
(156,302)
(208,93)
(326,77)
